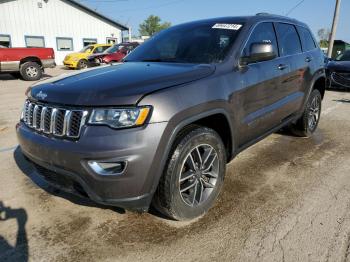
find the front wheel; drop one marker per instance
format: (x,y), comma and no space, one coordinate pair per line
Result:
(31,71)
(193,176)
(82,64)
(308,122)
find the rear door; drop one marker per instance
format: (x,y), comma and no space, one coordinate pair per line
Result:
(312,58)
(293,68)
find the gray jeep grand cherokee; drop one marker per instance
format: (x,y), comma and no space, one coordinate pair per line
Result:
(160,127)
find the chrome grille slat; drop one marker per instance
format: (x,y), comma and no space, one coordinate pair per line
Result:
(42,118)
(36,108)
(53,120)
(30,114)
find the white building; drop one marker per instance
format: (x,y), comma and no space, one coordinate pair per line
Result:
(64,25)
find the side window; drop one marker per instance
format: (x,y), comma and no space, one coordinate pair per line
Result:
(34,41)
(64,44)
(288,39)
(5,40)
(100,49)
(263,33)
(306,38)
(89,41)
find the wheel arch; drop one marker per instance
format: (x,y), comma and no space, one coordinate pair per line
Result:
(320,85)
(31,59)
(224,129)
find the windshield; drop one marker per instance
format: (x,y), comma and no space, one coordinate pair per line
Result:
(114,49)
(87,48)
(343,57)
(191,43)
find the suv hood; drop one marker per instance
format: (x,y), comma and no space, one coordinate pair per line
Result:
(117,84)
(339,66)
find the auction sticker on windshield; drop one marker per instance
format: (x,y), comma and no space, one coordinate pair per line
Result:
(227,26)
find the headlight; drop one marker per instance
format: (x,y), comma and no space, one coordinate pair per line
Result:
(120,118)
(75,59)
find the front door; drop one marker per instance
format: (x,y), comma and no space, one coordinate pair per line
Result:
(260,88)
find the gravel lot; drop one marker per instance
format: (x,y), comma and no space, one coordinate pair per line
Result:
(284,199)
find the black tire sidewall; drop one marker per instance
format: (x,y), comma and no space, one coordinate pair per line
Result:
(301,127)
(305,123)
(180,210)
(82,61)
(24,74)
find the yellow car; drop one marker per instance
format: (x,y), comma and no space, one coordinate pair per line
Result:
(79,60)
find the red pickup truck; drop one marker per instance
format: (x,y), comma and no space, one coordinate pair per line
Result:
(29,63)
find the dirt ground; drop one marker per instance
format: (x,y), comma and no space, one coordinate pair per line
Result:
(284,199)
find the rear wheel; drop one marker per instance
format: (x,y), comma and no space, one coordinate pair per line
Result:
(31,71)
(82,64)
(308,122)
(193,176)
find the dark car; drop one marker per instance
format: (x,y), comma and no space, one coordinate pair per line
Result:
(338,71)
(160,127)
(113,54)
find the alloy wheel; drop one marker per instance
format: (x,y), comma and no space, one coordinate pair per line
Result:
(32,71)
(199,175)
(314,113)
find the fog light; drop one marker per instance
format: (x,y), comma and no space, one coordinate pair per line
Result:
(107,168)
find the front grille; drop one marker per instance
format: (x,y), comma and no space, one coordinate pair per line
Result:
(60,122)
(341,79)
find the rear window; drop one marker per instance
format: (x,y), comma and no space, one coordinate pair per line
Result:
(306,38)
(288,39)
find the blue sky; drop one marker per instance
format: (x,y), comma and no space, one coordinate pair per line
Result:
(316,13)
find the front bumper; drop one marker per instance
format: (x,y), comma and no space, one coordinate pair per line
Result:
(67,158)
(336,81)
(70,64)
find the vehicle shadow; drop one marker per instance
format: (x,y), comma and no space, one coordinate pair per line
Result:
(342,100)
(18,252)
(7,77)
(28,169)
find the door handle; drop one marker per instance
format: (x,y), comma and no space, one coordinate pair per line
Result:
(282,66)
(308,59)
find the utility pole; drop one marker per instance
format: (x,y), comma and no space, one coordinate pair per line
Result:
(334,28)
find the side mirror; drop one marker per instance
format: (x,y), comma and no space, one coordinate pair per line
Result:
(259,52)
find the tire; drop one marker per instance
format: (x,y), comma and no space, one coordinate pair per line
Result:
(308,122)
(82,64)
(179,174)
(31,71)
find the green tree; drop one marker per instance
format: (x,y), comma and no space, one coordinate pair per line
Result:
(323,35)
(152,25)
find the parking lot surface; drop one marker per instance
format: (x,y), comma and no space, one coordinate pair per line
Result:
(284,199)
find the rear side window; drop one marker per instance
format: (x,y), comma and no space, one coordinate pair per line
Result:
(100,49)
(263,33)
(288,39)
(306,38)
